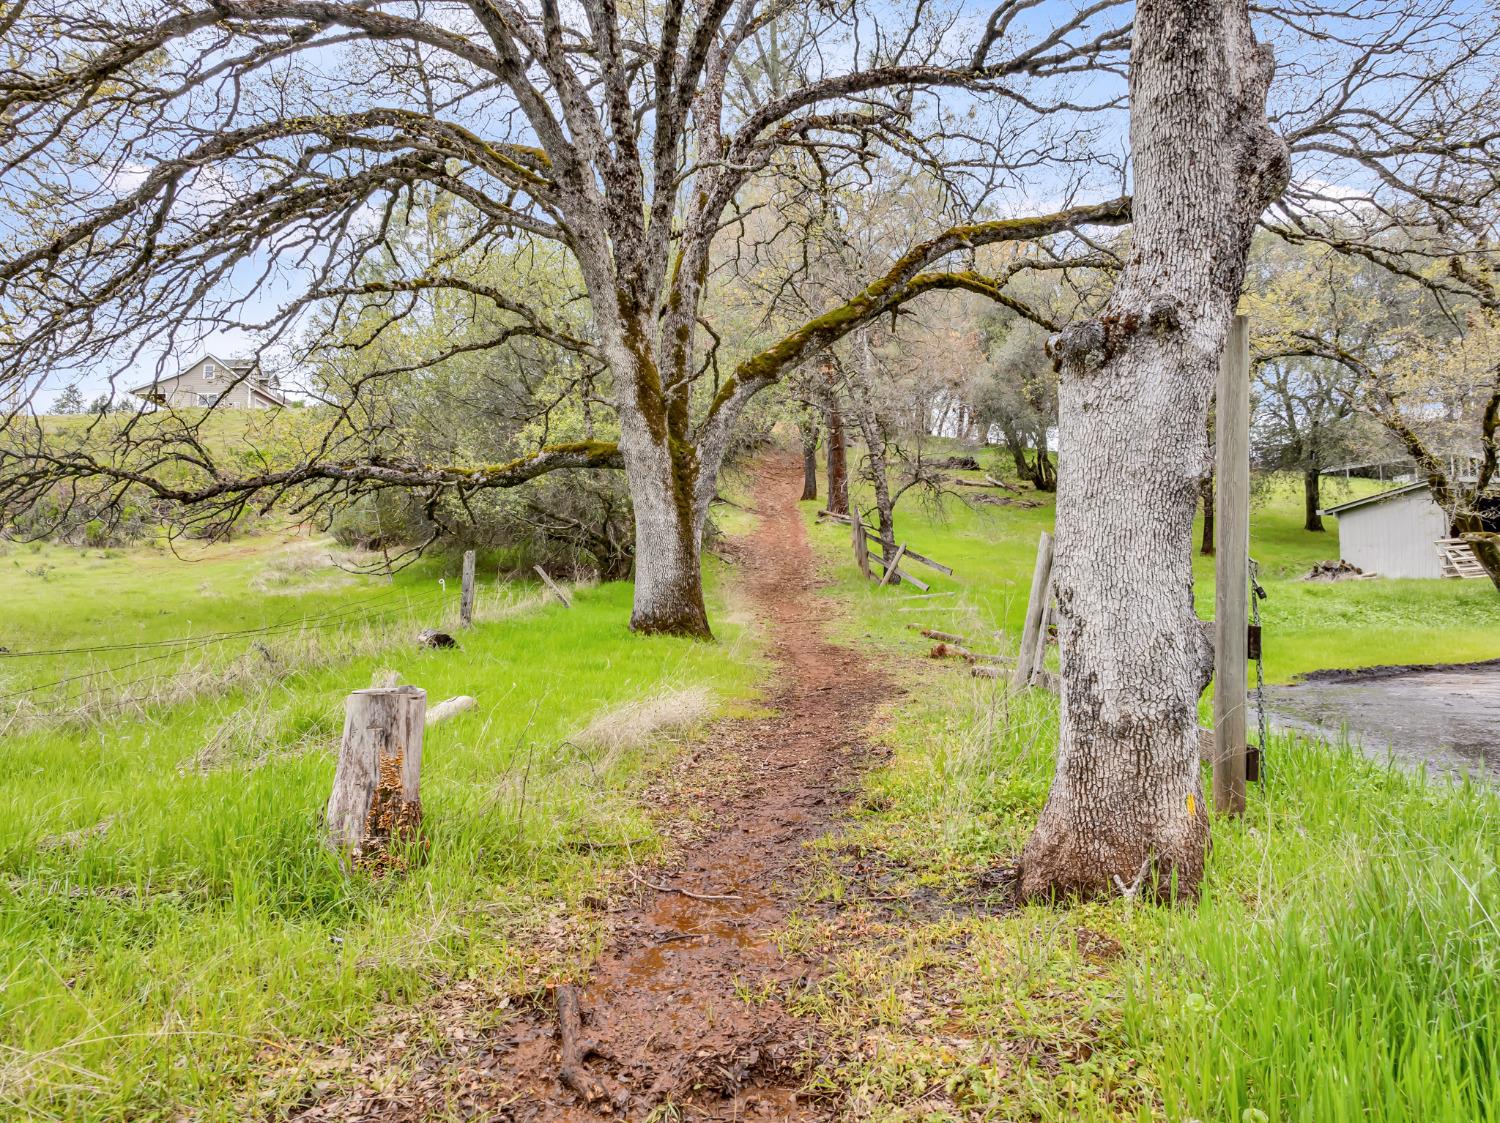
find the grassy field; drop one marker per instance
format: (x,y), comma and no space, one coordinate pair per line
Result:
(1307,626)
(172,934)
(1341,965)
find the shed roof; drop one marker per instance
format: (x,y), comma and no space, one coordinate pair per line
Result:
(1378,497)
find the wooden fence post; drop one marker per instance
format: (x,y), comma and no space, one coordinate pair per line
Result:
(1231,568)
(861,547)
(466,598)
(1040,579)
(1039,648)
(375,786)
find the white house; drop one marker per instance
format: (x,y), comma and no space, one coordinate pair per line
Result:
(1397,533)
(211,381)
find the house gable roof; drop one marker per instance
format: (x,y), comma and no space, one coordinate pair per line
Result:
(234,366)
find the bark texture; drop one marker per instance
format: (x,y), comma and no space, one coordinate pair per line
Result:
(861,382)
(838,456)
(1136,385)
(1312,499)
(809,462)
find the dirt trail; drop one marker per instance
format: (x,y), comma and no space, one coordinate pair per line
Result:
(665,1008)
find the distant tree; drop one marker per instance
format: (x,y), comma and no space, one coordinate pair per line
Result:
(69,401)
(1341,335)
(100,405)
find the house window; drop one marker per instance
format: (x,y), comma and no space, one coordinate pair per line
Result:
(208,372)
(207,399)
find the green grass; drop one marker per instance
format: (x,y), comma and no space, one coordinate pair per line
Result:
(1307,626)
(1341,964)
(172,934)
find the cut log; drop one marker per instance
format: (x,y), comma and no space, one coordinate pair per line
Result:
(375,799)
(448,708)
(942,637)
(431,637)
(553,585)
(981,657)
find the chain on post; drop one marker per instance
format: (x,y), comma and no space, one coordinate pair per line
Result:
(1258,594)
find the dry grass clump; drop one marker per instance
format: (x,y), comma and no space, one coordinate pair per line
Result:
(310,565)
(632,724)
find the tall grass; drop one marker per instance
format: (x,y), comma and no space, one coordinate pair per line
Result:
(172,931)
(1342,964)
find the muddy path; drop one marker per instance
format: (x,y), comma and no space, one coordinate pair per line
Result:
(683,1012)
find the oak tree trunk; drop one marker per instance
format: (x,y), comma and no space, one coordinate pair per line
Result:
(1126,800)
(1312,500)
(662,471)
(668,573)
(861,380)
(809,463)
(838,458)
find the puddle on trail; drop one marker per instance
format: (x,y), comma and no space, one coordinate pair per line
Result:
(1446,719)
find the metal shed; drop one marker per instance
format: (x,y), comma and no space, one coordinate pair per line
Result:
(1393,534)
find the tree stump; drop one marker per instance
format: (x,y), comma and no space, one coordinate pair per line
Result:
(375,799)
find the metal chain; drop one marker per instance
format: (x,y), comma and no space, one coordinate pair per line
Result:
(1258,594)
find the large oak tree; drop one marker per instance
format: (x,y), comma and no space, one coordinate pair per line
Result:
(163,160)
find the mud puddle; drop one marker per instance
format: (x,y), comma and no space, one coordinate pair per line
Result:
(1446,718)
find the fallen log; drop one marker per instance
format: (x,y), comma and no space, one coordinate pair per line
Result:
(448,708)
(1001,483)
(1003,501)
(986,672)
(941,637)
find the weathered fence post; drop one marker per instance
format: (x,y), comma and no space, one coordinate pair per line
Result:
(375,786)
(1040,578)
(857,537)
(1231,568)
(466,598)
(1043,630)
